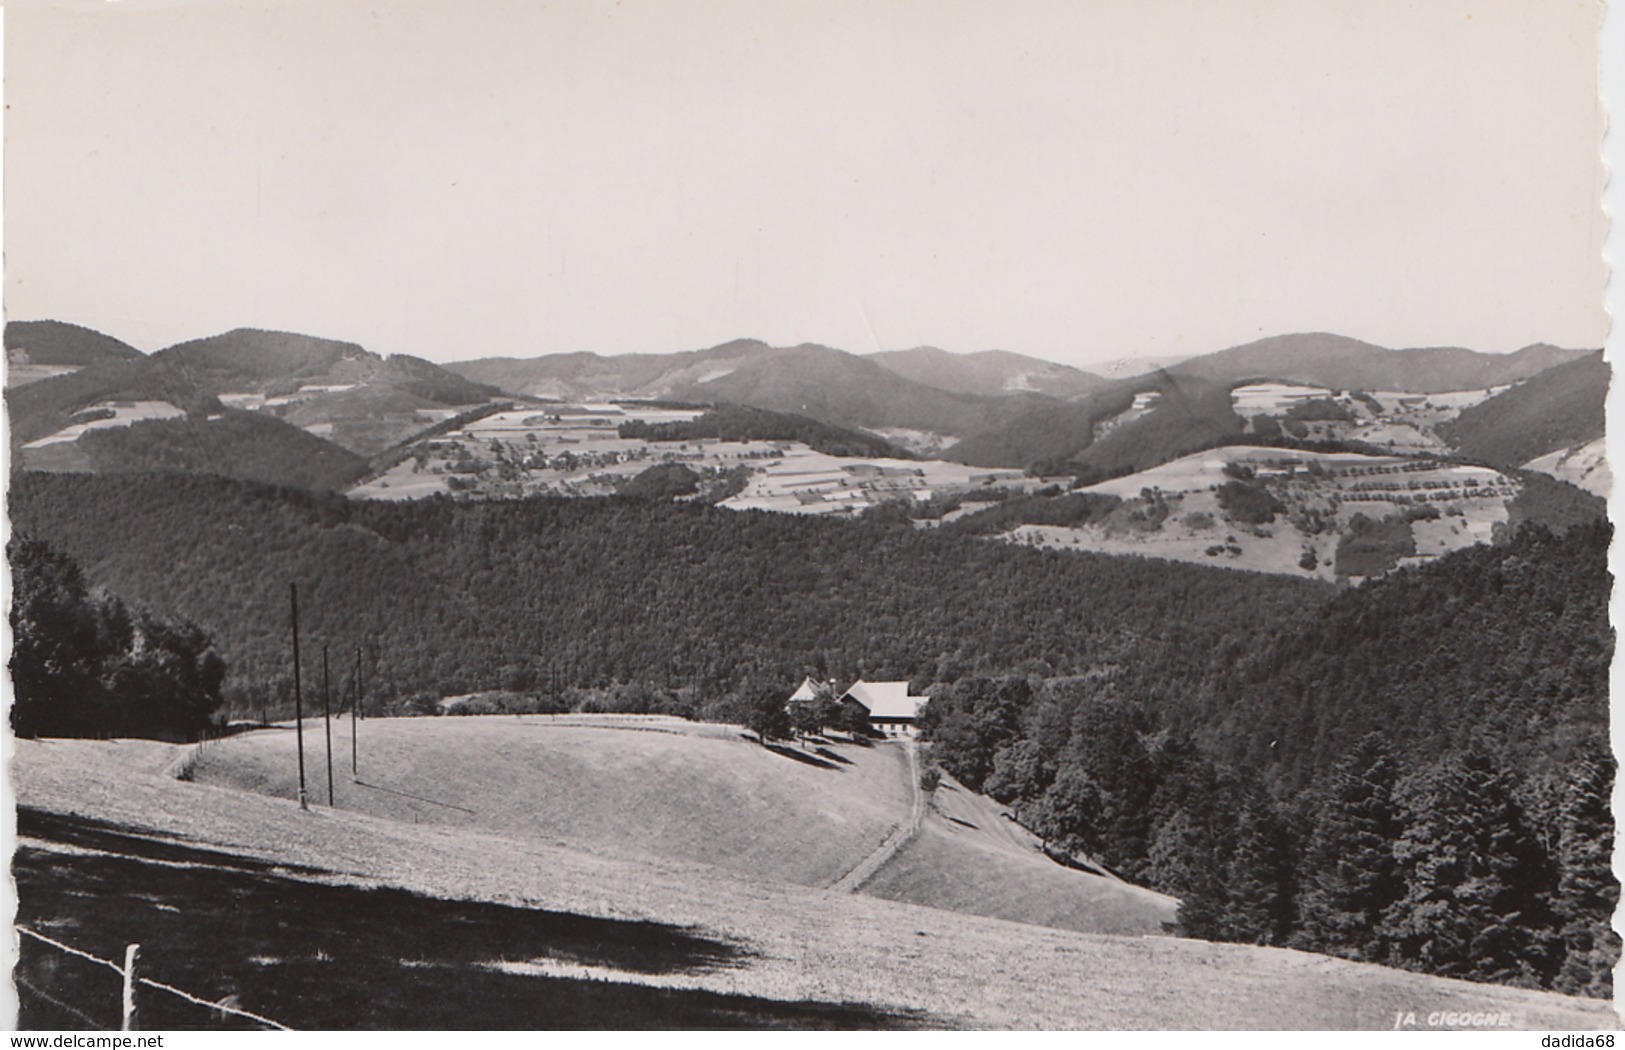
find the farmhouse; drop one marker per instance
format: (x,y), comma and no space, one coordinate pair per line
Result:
(888,705)
(807,692)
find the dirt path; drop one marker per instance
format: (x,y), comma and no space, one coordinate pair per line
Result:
(866,868)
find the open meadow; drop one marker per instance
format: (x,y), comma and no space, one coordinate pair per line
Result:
(239,893)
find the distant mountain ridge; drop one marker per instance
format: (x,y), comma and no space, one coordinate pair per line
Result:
(813,380)
(319,407)
(583,375)
(61,343)
(1342,363)
(988,372)
(348,382)
(993,408)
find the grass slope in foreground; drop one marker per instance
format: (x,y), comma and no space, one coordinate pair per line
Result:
(741,951)
(680,792)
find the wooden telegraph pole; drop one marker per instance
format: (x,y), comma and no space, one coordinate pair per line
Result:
(327,721)
(298,702)
(355,717)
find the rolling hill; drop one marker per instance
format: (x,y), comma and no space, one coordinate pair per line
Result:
(826,384)
(250,446)
(842,388)
(990,372)
(1273,510)
(1120,428)
(333,390)
(1323,359)
(665,790)
(589,376)
(464,596)
(1555,410)
(59,345)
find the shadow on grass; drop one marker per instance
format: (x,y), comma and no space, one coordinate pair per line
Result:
(800,756)
(832,756)
(90,833)
(341,957)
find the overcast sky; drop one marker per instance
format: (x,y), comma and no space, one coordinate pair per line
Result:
(1073,180)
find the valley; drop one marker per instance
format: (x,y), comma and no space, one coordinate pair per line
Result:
(572,582)
(578,450)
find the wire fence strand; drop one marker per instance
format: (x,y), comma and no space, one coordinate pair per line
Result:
(189,997)
(90,1022)
(115,967)
(149,982)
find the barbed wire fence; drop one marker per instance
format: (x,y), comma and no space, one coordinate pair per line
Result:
(130,980)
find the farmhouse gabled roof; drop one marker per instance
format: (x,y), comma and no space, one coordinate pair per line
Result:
(886,699)
(808,691)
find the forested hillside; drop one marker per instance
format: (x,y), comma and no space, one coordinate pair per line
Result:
(544,592)
(1417,774)
(743,423)
(60,343)
(1557,409)
(1414,771)
(253,446)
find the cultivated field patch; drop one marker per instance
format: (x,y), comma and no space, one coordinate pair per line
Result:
(1289,511)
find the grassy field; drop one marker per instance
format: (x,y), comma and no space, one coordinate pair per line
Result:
(666,789)
(639,788)
(1319,491)
(970,856)
(784,475)
(636,942)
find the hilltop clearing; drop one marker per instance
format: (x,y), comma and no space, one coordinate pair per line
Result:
(1584,466)
(574,940)
(1275,510)
(741,458)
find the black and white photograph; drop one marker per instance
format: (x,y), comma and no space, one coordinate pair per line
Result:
(1049,515)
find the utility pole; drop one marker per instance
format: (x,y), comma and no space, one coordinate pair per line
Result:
(327,721)
(355,717)
(298,703)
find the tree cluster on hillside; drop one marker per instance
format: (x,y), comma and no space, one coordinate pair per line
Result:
(1415,776)
(1248,502)
(1049,507)
(249,445)
(743,423)
(1438,865)
(87,664)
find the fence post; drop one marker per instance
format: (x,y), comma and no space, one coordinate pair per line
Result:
(131,953)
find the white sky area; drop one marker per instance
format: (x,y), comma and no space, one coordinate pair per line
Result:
(1076,181)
